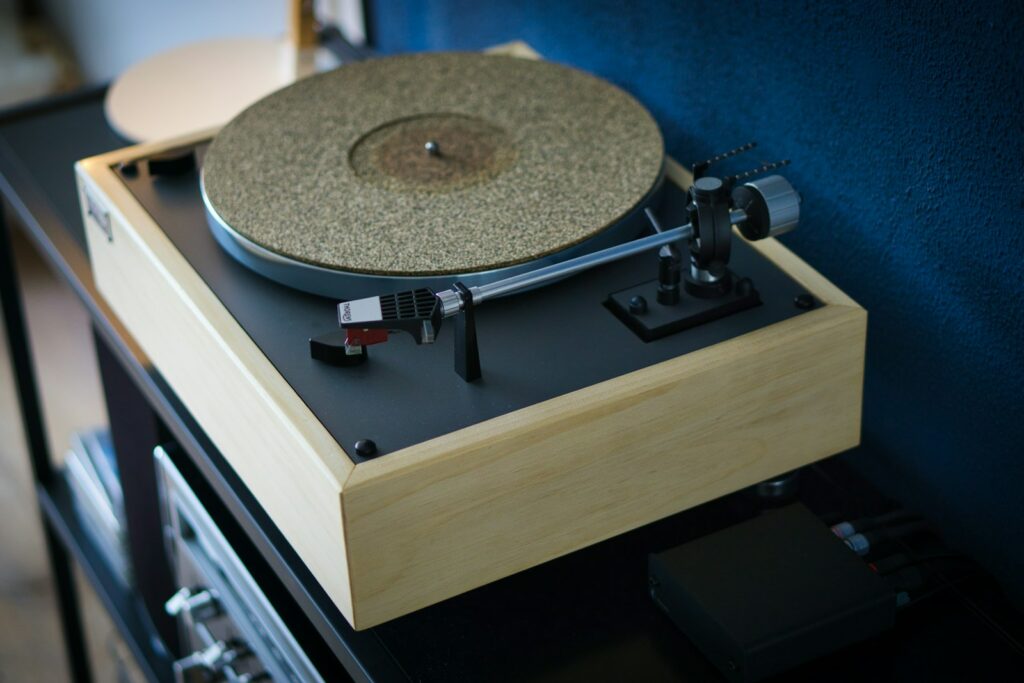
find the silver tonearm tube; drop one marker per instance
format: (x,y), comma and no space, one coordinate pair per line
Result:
(451,302)
(762,208)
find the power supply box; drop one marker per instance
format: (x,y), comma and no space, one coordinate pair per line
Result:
(771,593)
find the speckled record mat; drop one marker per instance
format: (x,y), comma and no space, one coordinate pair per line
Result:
(417,170)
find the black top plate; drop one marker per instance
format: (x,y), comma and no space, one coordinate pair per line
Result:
(534,346)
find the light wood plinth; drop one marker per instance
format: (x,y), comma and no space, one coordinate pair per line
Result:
(392,535)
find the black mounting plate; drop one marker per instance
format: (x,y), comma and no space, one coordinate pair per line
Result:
(657,320)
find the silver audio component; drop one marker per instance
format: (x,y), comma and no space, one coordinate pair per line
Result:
(234,632)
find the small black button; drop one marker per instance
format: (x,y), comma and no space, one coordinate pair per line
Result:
(804,301)
(638,305)
(366,448)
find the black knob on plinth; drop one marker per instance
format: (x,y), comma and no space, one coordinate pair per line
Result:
(366,448)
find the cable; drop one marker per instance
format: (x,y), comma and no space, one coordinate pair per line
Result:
(887,565)
(893,563)
(862,543)
(907,580)
(847,529)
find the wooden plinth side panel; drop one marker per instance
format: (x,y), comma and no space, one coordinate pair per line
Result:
(490,500)
(270,438)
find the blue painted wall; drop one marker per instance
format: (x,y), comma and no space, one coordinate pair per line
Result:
(906,131)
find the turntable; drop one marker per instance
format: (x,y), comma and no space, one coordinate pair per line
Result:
(628,341)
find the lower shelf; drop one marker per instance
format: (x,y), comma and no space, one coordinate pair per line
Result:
(126,611)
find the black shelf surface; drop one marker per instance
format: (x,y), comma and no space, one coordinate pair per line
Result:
(585,616)
(125,609)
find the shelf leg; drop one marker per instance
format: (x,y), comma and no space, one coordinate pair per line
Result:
(135,430)
(39,454)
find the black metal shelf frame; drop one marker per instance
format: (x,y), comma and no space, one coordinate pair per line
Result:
(125,609)
(39,456)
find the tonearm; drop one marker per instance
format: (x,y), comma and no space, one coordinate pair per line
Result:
(765,207)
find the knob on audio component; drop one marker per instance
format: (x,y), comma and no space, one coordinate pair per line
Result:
(200,666)
(199,605)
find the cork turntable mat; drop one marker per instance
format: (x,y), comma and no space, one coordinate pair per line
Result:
(436,163)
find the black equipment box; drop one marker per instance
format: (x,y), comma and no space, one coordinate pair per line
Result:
(769,594)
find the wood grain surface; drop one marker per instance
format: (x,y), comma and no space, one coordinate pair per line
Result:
(264,430)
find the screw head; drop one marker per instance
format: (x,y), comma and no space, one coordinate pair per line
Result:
(366,448)
(638,305)
(804,301)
